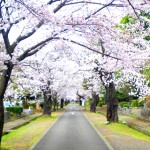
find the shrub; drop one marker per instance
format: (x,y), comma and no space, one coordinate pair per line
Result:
(33,105)
(141,101)
(100,104)
(134,103)
(25,104)
(15,109)
(124,104)
(42,104)
(89,101)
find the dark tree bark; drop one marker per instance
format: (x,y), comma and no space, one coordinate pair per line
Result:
(79,98)
(80,102)
(54,103)
(3,85)
(112,103)
(94,102)
(62,103)
(47,103)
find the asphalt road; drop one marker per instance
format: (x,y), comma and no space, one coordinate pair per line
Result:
(71,132)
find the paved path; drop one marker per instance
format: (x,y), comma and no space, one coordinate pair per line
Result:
(71,132)
(9,126)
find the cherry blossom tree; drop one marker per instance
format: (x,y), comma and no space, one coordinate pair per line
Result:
(27,26)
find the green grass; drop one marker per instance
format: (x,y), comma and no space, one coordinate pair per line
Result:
(99,120)
(148,129)
(124,129)
(25,136)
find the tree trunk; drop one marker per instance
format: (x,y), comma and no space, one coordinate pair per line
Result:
(47,104)
(62,103)
(5,77)
(54,103)
(94,102)
(80,102)
(112,103)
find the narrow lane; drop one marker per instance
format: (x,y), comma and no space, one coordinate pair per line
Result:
(71,132)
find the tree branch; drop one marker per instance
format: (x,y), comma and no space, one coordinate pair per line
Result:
(100,9)
(28,53)
(15,22)
(23,37)
(133,9)
(89,48)
(60,6)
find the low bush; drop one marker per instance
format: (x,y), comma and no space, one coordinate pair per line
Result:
(89,101)
(141,102)
(33,105)
(124,104)
(42,104)
(100,104)
(134,103)
(15,109)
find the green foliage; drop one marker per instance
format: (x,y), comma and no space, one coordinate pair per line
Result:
(146,15)
(15,109)
(124,104)
(25,104)
(84,84)
(141,101)
(127,19)
(42,104)
(14,86)
(134,103)
(89,101)
(118,73)
(100,104)
(146,25)
(33,105)
(121,96)
(147,38)
(146,72)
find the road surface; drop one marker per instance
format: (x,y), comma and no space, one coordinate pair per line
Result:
(71,132)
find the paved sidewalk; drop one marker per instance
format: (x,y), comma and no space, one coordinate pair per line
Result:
(11,125)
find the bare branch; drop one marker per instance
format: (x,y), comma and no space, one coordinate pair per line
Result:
(15,22)
(95,3)
(52,1)
(89,48)
(28,53)
(109,4)
(32,11)
(23,37)
(60,6)
(133,9)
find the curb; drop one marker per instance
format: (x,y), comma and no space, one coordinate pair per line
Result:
(101,136)
(34,145)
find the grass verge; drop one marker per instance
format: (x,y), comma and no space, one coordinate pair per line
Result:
(24,137)
(99,120)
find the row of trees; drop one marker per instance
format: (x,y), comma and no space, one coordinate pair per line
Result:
(28,27)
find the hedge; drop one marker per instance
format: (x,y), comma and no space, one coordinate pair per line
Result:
(15,109)
(124,104)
